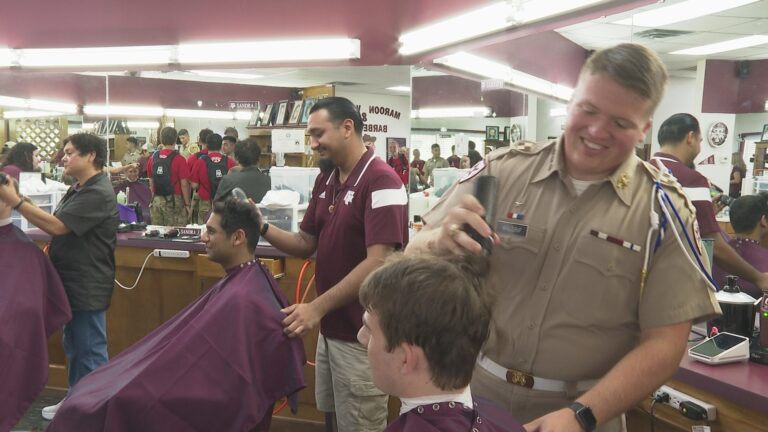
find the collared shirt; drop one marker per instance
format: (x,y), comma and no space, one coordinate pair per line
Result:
(464,398)
(696,187)
(369,208)
(431,164)
(567,304)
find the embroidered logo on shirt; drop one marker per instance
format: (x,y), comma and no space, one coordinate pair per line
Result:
(349,197)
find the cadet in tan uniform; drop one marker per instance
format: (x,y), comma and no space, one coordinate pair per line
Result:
(584,311)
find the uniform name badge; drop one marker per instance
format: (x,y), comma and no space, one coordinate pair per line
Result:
(506,227)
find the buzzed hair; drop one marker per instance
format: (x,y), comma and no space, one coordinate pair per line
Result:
(632,66)
(745,212)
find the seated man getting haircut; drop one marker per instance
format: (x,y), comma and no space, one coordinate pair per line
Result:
(33,305)
(749,218)
(424,324)
(218,365)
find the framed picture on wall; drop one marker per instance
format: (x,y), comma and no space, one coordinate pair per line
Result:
(765,133)
(492,132)
(264,120)
(296,112)
(506,134)
(308,104)
(281,110)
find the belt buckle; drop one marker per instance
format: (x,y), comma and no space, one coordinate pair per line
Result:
(519,378)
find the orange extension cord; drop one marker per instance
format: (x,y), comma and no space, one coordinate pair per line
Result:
(299,299)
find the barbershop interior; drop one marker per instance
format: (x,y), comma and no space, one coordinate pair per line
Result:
(239,101)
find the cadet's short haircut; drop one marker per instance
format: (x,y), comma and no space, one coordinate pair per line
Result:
(632,66)
(203,136)
(231,131)
(87,143)
(340,109)
(436,304)
(229,138)
(213,141)
(434,146)
(674,129)
(746,212)
(247,152)
(239,214)
(168,136)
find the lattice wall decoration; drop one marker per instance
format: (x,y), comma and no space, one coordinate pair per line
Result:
(45,133)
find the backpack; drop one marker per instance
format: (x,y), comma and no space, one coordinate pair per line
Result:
(161,174)
(216,170)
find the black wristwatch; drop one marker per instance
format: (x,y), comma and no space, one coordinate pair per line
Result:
(264,228)
(584,416)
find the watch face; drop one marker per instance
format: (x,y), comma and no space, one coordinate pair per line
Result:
(718,133)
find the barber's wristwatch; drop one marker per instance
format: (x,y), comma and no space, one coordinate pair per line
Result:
(584,416)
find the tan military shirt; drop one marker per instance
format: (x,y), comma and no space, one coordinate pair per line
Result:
(430,166)
(568,304)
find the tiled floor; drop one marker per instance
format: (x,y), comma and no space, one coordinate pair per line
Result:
(32,421)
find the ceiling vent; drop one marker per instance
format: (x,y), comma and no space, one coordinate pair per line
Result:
(660,34)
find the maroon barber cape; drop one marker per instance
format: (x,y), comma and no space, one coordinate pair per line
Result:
(33,305)
(455,417)
(218,365)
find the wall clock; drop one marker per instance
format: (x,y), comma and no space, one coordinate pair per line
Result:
(717,134)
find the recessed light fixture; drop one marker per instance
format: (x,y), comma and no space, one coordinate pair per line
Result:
(467,111)
(38,105)
(490,69)
(221,74)
(123,110)
(269,51)
(143,124)
(404,89)
(683,11)
(482,21)
(724,46)
(30,114)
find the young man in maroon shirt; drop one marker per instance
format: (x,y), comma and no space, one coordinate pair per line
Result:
(680,140)
(356,217)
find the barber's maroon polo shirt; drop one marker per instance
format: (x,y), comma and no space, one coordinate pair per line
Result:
(696,186)
(370,208)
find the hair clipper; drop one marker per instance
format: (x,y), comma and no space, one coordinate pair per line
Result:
(485,192)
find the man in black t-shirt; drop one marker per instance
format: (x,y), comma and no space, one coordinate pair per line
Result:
(84,236)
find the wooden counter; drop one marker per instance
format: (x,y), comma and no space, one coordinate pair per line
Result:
(166,287)
(739,391)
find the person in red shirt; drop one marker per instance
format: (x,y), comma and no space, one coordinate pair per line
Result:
(453,160)
(397,160)
(168,179)
(207,173)
(201,137)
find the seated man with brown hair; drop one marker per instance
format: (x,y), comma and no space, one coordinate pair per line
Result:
(425,321)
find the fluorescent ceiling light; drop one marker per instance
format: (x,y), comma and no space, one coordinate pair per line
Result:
(6,57)
(270,51)
(682,11)
(471,111)
(146,124)
(30,114)
(486,20)
(189,113)
(243,115)
(404,89)
(37,104)
(123,110)
(558,112)
(729,45)
(490,69)
(219,74)
(103,56)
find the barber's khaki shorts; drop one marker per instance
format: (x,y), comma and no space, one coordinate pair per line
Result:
(343,385)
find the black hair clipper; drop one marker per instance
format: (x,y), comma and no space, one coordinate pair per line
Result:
(485,192)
